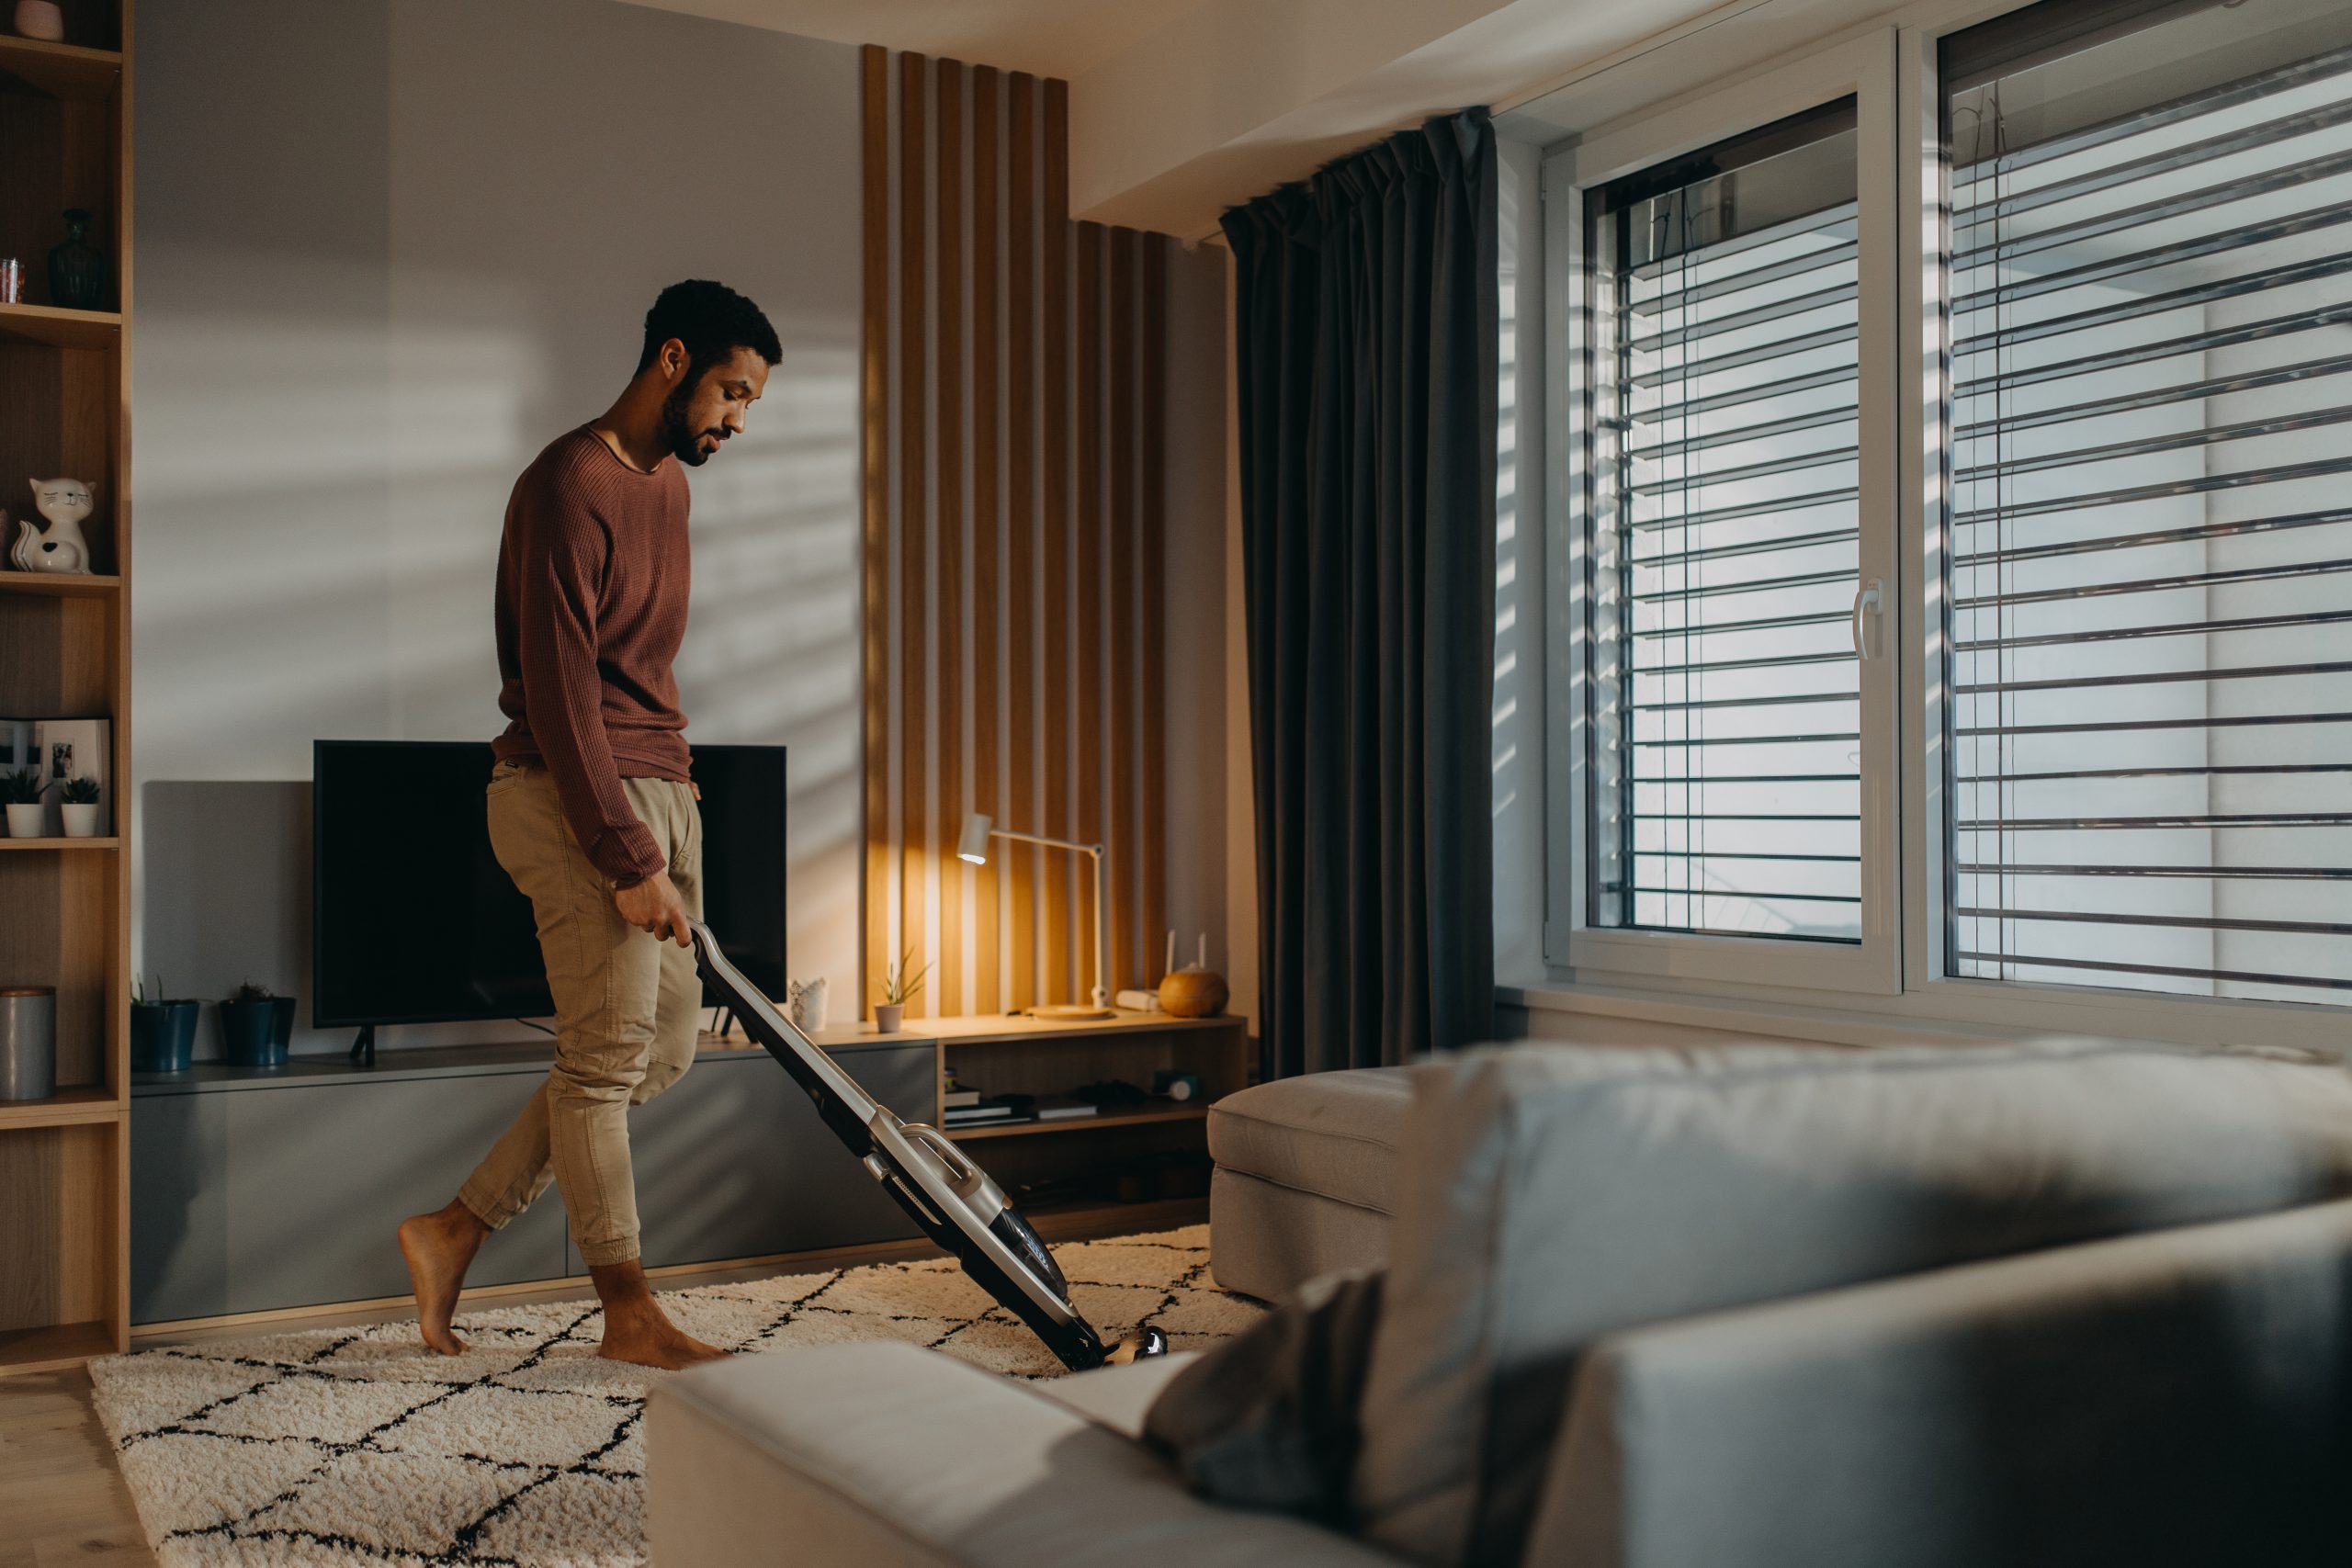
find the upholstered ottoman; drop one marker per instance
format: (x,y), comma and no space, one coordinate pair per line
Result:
(1305,1182)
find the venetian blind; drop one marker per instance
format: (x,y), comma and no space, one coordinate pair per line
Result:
(2149,565)
(1725,707)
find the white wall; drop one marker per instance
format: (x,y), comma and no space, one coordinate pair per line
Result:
(385,250)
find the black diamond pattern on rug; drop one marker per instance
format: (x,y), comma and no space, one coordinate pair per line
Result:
(357,1447)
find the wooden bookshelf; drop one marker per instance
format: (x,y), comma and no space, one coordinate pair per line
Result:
(1051,1056)
(1085,1123)
(47,326)
(35,69)
(65,653)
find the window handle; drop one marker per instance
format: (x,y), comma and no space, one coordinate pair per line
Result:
(1871,597)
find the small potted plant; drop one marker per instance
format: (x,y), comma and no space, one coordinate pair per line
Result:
(79,804)
(257,1026)
(898,986)
(163,1033)
(22,789)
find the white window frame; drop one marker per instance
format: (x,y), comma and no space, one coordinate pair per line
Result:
(1692,94)
(1862,69)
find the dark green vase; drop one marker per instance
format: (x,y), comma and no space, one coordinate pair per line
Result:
(77,270)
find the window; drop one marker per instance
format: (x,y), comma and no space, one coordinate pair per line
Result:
(2149,566)
(1948,595)
(1726,726)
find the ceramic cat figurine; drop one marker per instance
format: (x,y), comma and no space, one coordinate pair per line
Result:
(59,547)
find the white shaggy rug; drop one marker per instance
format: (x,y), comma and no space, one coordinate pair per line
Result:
(356,1447)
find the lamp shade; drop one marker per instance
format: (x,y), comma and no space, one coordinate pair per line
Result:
(974,845)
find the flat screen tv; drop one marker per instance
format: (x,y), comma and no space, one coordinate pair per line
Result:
(415,921)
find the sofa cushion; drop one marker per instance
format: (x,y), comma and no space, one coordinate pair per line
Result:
(885,1455)
(1334,1135)
(1116,1397)
(1266,1240)
(1550,1196)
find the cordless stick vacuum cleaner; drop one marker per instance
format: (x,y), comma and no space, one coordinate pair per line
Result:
(952,1199)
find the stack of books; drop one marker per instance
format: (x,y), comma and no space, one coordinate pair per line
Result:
(961,1105)
(970,1108)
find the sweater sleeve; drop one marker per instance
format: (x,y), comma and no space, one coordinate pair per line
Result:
(561,568)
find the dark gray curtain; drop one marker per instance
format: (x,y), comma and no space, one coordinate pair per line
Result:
(1366,345)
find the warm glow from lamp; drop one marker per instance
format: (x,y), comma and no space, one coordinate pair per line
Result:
(974,846)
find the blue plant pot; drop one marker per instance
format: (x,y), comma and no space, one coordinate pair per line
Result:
(256,1033)
(162,1037)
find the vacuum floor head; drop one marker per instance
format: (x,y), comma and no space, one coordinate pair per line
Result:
(951,1199)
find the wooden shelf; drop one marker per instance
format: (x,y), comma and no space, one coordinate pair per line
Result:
(60,328)
(58,70)
(58,584)
(1000,1029)
(1081,1123)
(65,142)
(46,1349)
(66,1108)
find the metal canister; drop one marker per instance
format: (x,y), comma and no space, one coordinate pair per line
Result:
(27,1041)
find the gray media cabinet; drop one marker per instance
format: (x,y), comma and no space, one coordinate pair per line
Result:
(262,1189)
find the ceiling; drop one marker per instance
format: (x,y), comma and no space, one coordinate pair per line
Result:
(1052,38)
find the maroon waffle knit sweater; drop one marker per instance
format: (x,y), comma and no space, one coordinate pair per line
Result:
(592,604)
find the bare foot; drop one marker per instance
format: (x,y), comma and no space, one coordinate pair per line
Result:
(636,1328)
(656,1342)
(438,1247)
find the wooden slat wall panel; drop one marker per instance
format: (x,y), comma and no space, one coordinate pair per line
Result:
(914,520)
(1128,703)
(1021,513)
(1013,418)
(1091,741)
(987,644)
(1053,928)
(948,685)
(1152,373)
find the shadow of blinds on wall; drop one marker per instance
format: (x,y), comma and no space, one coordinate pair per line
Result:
(2149,561)
(1725,706)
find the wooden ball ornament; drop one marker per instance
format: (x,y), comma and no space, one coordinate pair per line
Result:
(1193,993)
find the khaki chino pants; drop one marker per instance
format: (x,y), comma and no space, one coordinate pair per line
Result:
(628,1010)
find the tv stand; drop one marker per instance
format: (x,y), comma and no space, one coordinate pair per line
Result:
(269,1189)
(363,1049)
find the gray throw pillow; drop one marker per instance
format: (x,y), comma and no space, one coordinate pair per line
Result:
(1268,1420)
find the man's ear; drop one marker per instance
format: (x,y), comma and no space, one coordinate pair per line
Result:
(675,358)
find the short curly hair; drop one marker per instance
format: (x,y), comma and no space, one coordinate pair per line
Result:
(712,321)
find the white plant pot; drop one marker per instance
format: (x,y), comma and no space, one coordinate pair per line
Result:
(81,821)
(887,1018)
(40,19)
(25,821)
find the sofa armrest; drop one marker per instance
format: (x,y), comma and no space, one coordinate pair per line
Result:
(884,1454)
(2179,1396)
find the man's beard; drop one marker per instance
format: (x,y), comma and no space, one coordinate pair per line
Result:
(684,444)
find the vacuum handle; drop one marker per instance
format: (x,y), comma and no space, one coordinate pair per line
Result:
(937,1142)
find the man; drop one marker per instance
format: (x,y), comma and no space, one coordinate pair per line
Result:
(590,808)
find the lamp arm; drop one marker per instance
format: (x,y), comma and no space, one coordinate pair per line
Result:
(1102,913)
(1049,843)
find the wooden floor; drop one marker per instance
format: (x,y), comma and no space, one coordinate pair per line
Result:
(62,1501)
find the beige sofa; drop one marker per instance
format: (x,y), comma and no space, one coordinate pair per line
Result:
(1306,1178)
(2078,1304)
